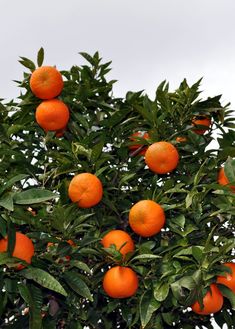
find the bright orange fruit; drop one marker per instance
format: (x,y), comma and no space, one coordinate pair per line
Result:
(24,248)
(146,218)
(86,190)
(212,301)
(120,282)
(46,82)
(121,239)
(162,157)
(52,115)
(201,120)
(228,279)
(223,180)
(134,147)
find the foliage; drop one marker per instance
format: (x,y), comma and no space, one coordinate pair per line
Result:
(174,266)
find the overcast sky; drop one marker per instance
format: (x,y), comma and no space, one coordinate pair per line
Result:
(147,40)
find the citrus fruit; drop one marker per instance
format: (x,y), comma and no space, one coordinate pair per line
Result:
(146,218)
(52,115)
(24,248)
(228,279)
(136,146)
(46,82)
(223,180)
(162,157)
(121,239)
(201,121)
(212,301)
(120,282)
(86,190)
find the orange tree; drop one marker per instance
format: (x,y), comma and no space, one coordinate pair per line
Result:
(178,221)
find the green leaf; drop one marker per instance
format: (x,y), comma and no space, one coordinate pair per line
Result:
(43,278)
(40,56)
(228,293)
(73,279)
(6,201)
(81,265)
(229,169)
(27,63)
(148,305)
(145,257)
(33,195)
(12,181)
(161,290)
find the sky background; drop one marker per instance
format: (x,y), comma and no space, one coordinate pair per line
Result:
(148,41)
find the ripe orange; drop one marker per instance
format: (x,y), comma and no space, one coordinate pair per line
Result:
(181,139)
(46,82)
(121,239)
(201,120)
(24,248)
(134,147)
(223,180)
(86,190)
(212,301)
(120,282)
(228,279)
(146,218)
(52,115)
(162,157)
(70,242)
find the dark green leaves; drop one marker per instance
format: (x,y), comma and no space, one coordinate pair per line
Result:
(74,281)
(44,279)
(33,195)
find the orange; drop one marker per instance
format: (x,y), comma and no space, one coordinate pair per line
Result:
(121,239)
(181,139)
(228,279)
(212,301)
(201,120)
(86,190)
(120,282)
(146,218)
(223,180)
(162,157)
(135,147)
(70,242)
(46,82)
(52,115)
(24,248)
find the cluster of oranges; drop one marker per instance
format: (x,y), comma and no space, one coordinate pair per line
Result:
(52,114)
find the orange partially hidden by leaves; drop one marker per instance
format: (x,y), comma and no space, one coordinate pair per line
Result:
(162,157)
(228,279)
(52,115)
(24,248)
(46,82)
(223,180)
(146,218)
(212,301)
(70,242)
(121,239)
(201,121)
(181,139)
(86,190)
(120,282)
(136,146)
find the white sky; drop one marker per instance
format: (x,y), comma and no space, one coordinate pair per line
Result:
(147,40)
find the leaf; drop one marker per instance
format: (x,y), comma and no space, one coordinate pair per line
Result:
(33,297)
(228,293)
(145,256)
(40,56)
(12,181)
(27,63)
(6,201)
(161,290)
(229,169)
(33,195)
(81,265)
(75,282)
(43,278)
(148,305)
